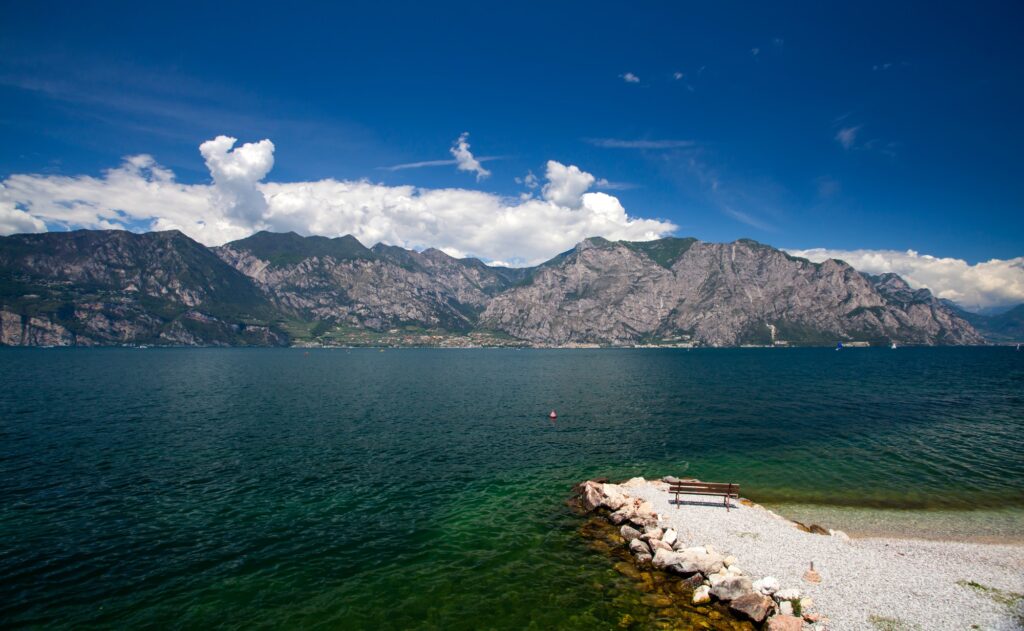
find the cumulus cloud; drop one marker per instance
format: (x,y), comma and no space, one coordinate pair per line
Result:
(993,283)
(464,157)
(629,77)
(847,136)
(235,173)
(140,192)
(566,184)
(13,220)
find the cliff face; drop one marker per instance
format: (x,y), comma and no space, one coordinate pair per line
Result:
(378,289)
(114,287)
(713,293)
(111,287)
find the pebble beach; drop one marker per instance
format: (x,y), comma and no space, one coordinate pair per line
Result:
(865,583)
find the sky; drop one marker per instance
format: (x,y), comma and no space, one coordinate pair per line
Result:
(887,134)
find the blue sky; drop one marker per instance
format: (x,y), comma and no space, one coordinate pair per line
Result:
(880,126)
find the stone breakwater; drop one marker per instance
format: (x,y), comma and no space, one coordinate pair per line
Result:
(713,575)
(759,565)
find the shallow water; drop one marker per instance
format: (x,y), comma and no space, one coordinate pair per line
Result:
(425,488)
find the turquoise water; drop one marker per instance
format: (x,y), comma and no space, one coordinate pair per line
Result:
(425,488)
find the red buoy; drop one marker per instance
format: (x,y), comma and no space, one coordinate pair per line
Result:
(553,415)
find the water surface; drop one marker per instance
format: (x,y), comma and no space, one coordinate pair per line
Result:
(425,488)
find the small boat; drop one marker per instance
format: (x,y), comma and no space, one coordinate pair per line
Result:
(839,346)
(553,415)
(893,346)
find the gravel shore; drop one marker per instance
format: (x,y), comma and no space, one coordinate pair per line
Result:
(870,583)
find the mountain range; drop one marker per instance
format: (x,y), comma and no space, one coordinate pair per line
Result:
(115,287)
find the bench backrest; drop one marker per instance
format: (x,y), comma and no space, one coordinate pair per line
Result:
(711,488)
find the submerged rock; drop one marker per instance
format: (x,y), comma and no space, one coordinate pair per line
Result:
(637,546)
(629,533)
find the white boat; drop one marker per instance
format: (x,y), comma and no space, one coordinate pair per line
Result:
(893,346)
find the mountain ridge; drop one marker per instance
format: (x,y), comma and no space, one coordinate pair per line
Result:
(115,287)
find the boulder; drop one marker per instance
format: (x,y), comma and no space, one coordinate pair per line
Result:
(702,595)
(756,607)
(691,560)
(790,593)
(671,479)
(786,607)
(619,517)
(637,546)
(591,495)
(633,483)
(643,558)
(653,532)
(806,604)
(729,560)
(612,497)
(658,544)
(840,535)
(732,587)
(784,623)
(767,585)
(629,533)
(670,536)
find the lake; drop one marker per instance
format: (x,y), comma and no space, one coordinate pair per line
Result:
(426,488)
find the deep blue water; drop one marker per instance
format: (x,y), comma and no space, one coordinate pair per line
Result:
(425,488)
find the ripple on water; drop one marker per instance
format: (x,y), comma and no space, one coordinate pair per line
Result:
(235,487)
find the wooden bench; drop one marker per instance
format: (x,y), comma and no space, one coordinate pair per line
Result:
(723,489)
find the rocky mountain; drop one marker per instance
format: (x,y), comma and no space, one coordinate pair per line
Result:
(341,281)
(1007,326)
(110,287)
(114,287)
(716,294)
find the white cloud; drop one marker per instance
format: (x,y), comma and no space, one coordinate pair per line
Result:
(529,180)
(847,136)
(619,143)
(993,283)
(433,163)
(141,192)
(13,220)
(629,77)
(566,184)
(464,157)
(235,173)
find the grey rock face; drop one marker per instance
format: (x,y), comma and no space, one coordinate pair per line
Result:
(382,288)
(112,287)
(715,294)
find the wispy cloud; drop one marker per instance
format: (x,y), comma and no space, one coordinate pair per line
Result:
(743,217)
(847,136)
(464,159)
(608,185)
(619,143)
(629,77)
(434,163)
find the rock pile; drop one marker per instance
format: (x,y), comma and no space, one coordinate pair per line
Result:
(715,576)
